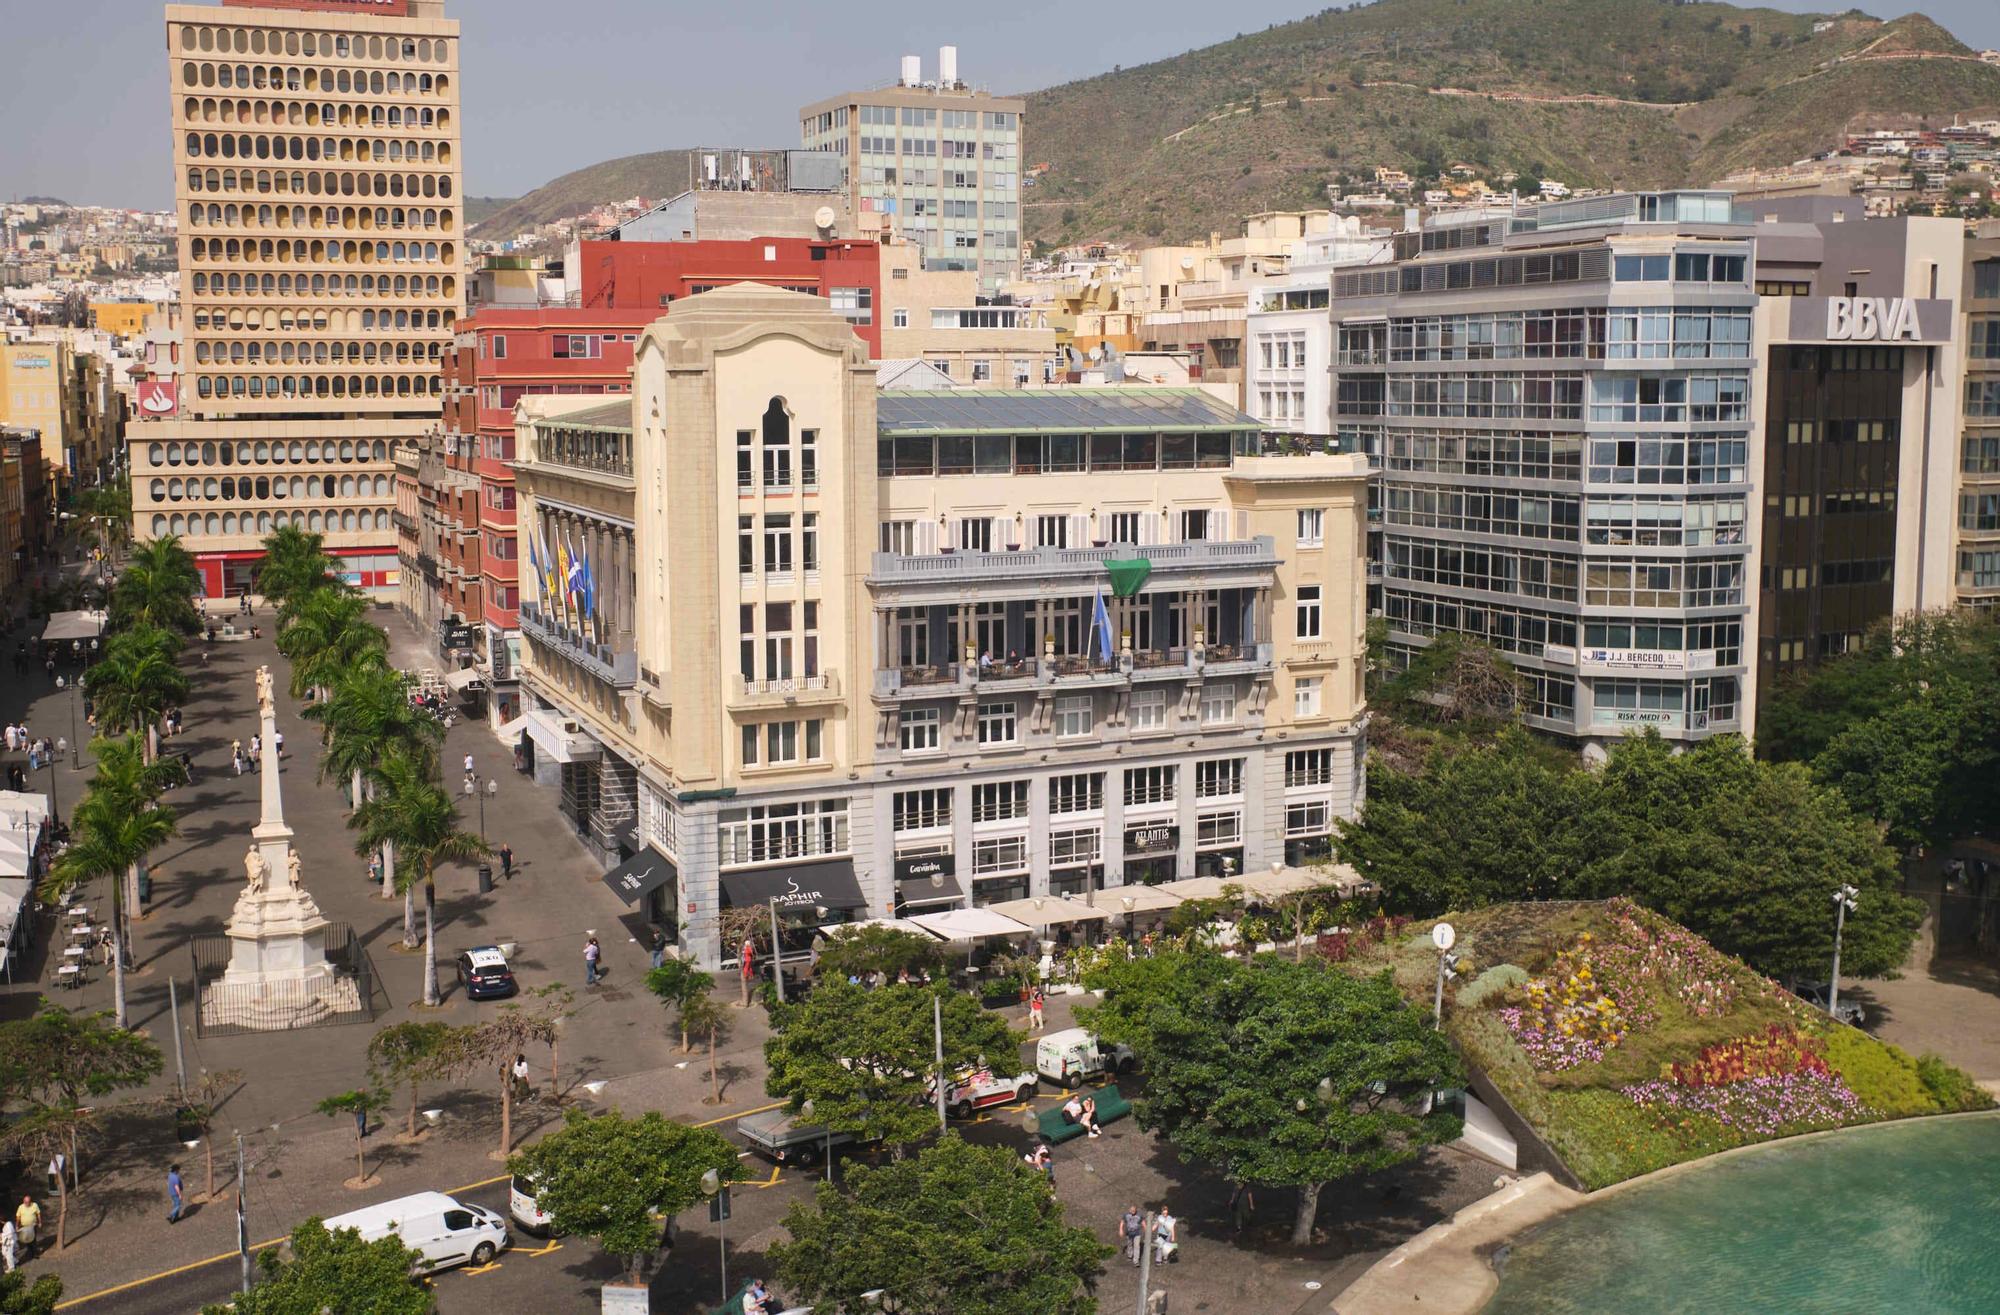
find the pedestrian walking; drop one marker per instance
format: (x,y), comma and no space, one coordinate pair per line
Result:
(62,745)
(278,744)
(1035,1023)
(523,1089)
(256,750)
(174,1194)
(28,1222)
(592,953)
(236,756)
(507,861)
(468,767)
(10,1245)
(1132,1228)
(375,870)
(1242,1207)
(659,946)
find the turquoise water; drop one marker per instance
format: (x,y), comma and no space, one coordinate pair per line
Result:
(1901,1217)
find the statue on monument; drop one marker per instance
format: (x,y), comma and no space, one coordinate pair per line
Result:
(256,869)
(292,866)
(264,701)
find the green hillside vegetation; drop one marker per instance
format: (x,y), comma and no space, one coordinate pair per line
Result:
(657,174)
(479,208)
(1629,1044)
(1719,88)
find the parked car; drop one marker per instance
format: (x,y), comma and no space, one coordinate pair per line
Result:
(1068,1057)
(441,1229)
(982,1088)
(778,1136)
(523,1210)
(484,973)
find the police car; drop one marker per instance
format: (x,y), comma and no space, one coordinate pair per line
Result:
(484,973)
(982,1088)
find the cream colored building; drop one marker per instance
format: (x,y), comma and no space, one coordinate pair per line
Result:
(804,638)
(939,316)
(317,179)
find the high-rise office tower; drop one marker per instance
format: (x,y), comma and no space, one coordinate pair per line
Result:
(317,181)
(941,157)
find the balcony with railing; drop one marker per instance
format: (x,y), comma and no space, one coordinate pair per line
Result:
(787,691)
(1072,671)
(1028,571)
(616,663)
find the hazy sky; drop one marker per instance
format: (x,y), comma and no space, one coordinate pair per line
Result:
(552,85)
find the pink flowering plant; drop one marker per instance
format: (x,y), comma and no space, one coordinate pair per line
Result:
(1773,1082)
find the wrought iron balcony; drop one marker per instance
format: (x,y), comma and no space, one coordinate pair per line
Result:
(1033,566)
(1137,666)
(616,664)
(822,688)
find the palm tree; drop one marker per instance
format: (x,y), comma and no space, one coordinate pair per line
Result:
(112,833)
(412,810)
(295,564)
(329,632)
(368,718)
(136,683)
(157,588)
(126,781)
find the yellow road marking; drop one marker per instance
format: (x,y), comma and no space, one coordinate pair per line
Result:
(776,1170)
(483,1269)
(113,1291)
(553,1246)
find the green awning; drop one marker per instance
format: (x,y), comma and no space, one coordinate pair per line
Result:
(1128,576)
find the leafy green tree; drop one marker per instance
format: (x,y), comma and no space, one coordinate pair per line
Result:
(703,1016)
(679,983)
(20,1297)
(329,1271)
(408,1055)
(41,1133)
(506,1034)
(955,1230)
(414,813)
(157,588)
(622,1181)
(864,1058)
(885,950)
(1927,768)
(356,1104)
(1282,1074)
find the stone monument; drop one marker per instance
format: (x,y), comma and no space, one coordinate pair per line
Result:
(278,975)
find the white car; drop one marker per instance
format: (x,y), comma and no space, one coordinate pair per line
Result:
(442,1230)
(982,1088)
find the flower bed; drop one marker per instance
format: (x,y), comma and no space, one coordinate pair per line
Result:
(1764,1085)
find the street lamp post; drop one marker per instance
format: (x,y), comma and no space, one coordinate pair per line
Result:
(71,683)
(711,1187)
(1843,904)
(1444,937)
(492,788)
(777,954)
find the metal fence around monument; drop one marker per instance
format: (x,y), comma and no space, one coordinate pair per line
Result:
(241,1008)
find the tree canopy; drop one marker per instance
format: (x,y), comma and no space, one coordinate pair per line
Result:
(877,949)
(954,1230)
(334,1271)
(1744,853)
(617,1180)
(1281,1074)
(864,1057)
(18,1296)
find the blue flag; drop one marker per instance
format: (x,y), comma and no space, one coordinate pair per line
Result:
(1101,621)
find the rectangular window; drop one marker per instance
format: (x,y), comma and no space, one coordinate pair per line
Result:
(808,458)
(778,544)
(1150,785)
(769,833)
(809,540)
(1309,611)
(999,801)
(1003,854)
(1080,793)
(1075,848)
(1149,710)
(1221,778)
(1052,531)
(1305,696)
(919,731)
(1074,717)
(1311,817)
(856,304)
(997,723)
(899,537)
(746,545)
(1218,830)
(900,317)
(1218,705)
(1308,767)
(746,472)
(1312,527)
(499,346)
(922,810)
(1122,527)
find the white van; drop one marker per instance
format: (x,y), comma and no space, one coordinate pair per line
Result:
(442,1229)
(1067,1057)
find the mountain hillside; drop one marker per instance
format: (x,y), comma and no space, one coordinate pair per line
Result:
(657,174)
(1592,92)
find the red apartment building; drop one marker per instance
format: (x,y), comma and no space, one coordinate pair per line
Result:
(504,352)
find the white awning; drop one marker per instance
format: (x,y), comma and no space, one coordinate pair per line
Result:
(561,739)
(1290,881)
(968,924)
(1049,911)
(74,625)
(462,679)
(1198,887)
(1138,899)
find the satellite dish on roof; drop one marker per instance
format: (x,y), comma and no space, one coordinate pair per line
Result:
(1097,352)
(823,218)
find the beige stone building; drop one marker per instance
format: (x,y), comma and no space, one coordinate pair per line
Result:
(940,316)
(317,179)
(792,637)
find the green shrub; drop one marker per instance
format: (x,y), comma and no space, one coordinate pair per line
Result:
(1491,985)
(1952,1088)
(1884,1077)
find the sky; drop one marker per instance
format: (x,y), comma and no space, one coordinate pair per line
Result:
(554,85)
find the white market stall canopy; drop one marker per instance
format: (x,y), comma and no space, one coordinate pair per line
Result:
(1197,887)
(840,929)
(968,924)
(74,625)
(16,804)
(1290,881)
(1138,899)
(1049,911)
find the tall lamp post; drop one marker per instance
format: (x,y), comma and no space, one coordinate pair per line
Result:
(1843,904)
(70,683)
(492,789)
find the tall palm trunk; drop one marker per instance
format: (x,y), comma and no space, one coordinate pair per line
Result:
(388,869)
(430,940)
(354,796)
(118,948)
(410,918)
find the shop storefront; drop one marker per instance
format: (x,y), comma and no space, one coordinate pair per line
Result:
(1152,853)
(927,881)
(649,883)
(806,896)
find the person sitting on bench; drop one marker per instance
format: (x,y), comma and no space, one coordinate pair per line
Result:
(1081,1111)
(1089,1120)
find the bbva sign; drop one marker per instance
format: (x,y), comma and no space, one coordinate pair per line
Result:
(1871,319)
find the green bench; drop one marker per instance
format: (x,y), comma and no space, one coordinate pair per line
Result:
(734,1306)
(1111,1106)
